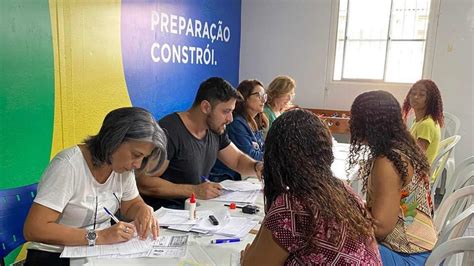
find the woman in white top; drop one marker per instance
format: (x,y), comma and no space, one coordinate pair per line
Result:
(82,181)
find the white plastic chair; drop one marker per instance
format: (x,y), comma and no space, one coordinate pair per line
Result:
(462,176)
(446,147)
(459,245)
(451,206)
(450,128)
(451,125)
(457,226)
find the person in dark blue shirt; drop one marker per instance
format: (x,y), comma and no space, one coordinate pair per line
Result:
(246,131)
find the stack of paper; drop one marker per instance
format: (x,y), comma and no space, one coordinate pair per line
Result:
(163,246)
(228,226)
(239,191)
(240,185)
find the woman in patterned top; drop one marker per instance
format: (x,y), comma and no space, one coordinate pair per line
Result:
(312,218)
(395,179)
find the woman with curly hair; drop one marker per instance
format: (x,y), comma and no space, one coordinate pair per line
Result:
(395,177)
(312,217)
(425,100)
(246,130)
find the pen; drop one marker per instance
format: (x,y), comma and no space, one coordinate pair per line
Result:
(225,240)
(204,179)
(111,215)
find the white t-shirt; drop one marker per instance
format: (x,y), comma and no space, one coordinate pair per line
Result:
(68,186)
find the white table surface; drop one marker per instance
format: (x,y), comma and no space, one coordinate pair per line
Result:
(199,250)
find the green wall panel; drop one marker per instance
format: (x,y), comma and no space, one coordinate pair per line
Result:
(26,91)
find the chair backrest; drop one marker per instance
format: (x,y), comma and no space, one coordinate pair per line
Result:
(451,125)
(462,176)
(446,147)
(14,206)
(449,248)
(457,226)
(451,206)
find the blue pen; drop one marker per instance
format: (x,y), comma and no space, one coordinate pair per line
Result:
(225,240)
(204,179)
(111,215)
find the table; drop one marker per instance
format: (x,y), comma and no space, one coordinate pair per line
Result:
(199,250)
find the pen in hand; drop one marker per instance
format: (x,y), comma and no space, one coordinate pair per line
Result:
(116,220)
(204,179)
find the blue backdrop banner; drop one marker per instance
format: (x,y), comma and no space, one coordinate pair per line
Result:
(170,47)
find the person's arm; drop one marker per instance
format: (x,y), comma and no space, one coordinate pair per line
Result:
(385,187)
(258,252)
(155,186)
(236,160)
(423,143)
(240,134)
(41,226)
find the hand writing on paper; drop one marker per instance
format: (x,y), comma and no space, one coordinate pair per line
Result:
(146,223)
(119,232)
(207,190)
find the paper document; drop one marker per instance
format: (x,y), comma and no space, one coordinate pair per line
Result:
(238,196)
(240,185)
(169,247)
(132,246)
(163,246)
(167,217)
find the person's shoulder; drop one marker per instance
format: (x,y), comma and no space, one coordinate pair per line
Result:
(285,201)
(428,121)
(169,118)
(238,121)
(69,154)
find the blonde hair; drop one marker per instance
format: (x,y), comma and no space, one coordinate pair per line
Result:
(279,86)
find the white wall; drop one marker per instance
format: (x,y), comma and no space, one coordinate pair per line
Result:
(292,37)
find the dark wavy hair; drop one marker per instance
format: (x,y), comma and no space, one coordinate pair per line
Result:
(215,90)
(377,129)
(246,88)
(434,103)
(298,157)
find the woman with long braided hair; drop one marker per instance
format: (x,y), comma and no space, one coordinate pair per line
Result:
(312,217)
(395,177)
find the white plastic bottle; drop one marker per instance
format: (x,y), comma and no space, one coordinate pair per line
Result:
(192,207)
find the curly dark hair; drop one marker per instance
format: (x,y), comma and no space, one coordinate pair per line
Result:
(246,88)
(434,104)
(298,157)
(377,129)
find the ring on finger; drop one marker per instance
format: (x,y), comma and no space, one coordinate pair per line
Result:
(125,229)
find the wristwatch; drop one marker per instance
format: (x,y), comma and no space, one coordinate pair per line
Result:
(91,237)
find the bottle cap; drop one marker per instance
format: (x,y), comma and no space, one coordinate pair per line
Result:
(232,206)
(193,198)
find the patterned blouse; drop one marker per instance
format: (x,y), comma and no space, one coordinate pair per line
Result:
(414,231)
(289,221)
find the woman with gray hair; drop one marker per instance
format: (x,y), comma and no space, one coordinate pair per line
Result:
(84,185)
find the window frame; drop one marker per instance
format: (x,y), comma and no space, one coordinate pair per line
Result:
(430,46)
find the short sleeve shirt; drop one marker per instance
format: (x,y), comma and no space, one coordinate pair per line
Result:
(290,223)
(427,129)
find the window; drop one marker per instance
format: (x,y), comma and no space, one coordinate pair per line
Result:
(380,40)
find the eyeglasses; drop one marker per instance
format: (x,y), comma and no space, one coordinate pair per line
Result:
(262,95)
